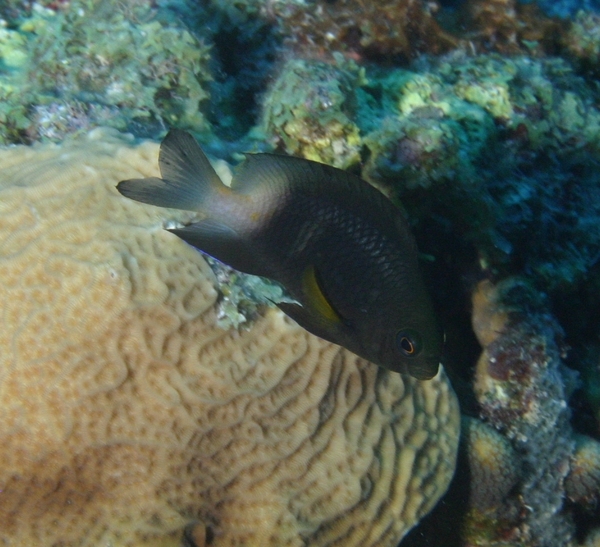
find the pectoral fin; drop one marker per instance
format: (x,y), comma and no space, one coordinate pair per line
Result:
(316,298)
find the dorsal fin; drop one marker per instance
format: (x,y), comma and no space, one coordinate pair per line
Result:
(311,177)
(183,163)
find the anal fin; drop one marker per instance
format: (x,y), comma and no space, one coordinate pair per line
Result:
(221,242)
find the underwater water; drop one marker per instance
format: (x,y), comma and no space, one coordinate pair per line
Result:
(152,396)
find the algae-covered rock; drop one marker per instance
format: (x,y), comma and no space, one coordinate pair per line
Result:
(309,111)
(581,42)
(99,63)
(427,134)
(475,100)
(506,147)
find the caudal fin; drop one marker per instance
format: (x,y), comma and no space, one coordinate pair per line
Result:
(187,176)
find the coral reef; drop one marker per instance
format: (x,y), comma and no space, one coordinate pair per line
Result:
(531,480)
(507,146)
(128,70)
(541,104)
(521,387)
(426,134)
(508,27)
(129,417)
(399,30)
(388,28)
(495,160)
(169,404)
(581,42)
(495,470)
(582,484)
(309,112)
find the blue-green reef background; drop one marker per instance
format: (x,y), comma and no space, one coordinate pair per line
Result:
(481,118)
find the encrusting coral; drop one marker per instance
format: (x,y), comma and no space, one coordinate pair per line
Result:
(521,387)
(129,417)
(582,484)
(495,471)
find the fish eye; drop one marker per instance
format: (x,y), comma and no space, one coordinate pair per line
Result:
(408,342)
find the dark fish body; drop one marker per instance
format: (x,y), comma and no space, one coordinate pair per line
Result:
(340,248)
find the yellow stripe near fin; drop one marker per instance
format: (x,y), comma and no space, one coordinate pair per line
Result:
(317,300)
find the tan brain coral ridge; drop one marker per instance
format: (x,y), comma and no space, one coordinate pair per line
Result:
(129,418)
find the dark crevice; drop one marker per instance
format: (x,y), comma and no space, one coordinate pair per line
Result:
(242,58)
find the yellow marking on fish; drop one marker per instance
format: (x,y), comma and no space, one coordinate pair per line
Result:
(316,297)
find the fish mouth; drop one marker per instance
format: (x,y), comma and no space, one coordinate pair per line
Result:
(421,375)
(426,370)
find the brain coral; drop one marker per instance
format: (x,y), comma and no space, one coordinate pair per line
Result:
(129,418)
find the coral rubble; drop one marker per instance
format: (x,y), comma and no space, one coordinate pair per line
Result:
(129,417)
